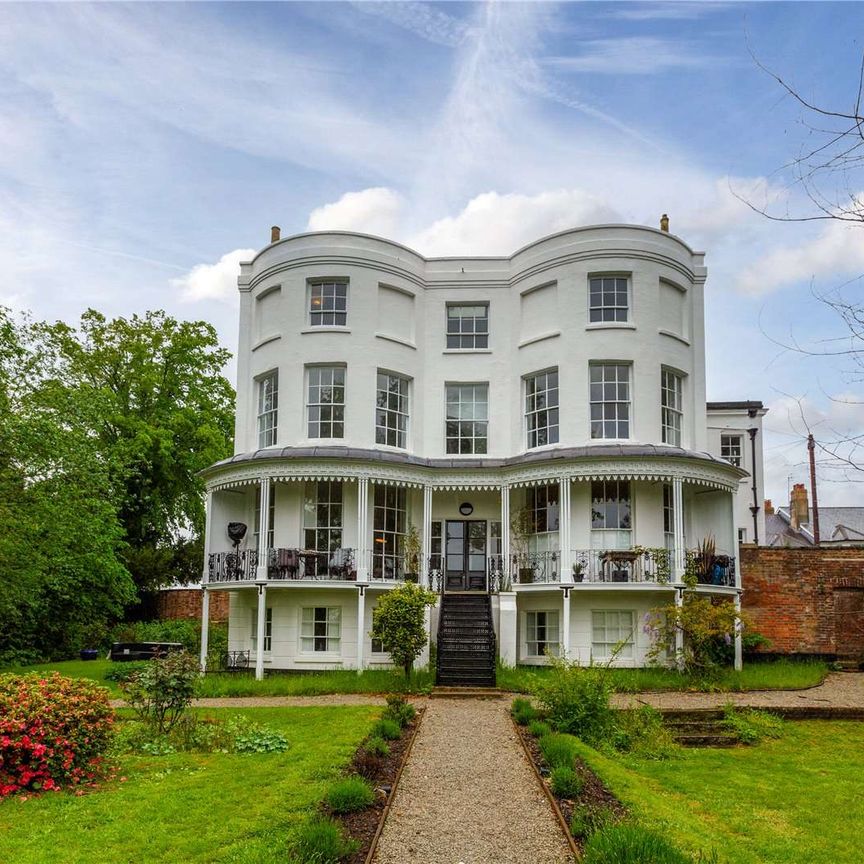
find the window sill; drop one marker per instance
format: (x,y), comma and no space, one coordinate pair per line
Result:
(326,329)
(266,341)
(675,336)
(611,325)
(397,340)
(552,334)
(467,351)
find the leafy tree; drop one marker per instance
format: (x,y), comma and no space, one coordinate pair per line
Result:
(149,393)
(399,623)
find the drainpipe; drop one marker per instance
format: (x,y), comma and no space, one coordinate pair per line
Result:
(754,507)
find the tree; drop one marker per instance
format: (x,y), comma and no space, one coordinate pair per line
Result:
(150,394)
(60,574)
(399,624)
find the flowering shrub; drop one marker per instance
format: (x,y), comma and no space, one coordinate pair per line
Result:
(53,731)
(162,689)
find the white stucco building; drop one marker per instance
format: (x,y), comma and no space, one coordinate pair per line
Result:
(539,419)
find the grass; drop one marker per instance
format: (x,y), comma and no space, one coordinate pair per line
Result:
(774,675)
(238,809)
(288,684)
(785,801)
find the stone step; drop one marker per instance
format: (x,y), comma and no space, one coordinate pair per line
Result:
(465,691)
(716,739)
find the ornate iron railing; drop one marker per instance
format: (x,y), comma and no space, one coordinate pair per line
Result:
(637,564)
(535,567)
(284,564)
(239,566)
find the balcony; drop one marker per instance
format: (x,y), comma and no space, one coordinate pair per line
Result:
(286,565)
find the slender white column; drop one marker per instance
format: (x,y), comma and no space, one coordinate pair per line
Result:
(739,647)
(263,526)
(564,533)
(565,624)
(734,550)
(679,633)
(205,626)
(678,528)
(426,540)
(363,529)
(361,626)
(262,622)
(205,578)
(505,528)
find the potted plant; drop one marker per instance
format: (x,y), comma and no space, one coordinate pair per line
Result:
(521,531)
(578,571)
(412,549)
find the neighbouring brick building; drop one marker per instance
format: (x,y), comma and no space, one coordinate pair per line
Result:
(186,603)
(807,601)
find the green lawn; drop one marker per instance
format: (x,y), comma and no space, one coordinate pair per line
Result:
(299,684)
(795,800)
(192,807)
(776,675)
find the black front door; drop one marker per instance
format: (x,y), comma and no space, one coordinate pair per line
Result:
(465,555)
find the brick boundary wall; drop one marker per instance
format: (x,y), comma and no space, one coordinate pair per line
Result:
(179,603)
(800,598)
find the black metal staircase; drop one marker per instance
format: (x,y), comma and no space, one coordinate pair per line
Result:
(466,641)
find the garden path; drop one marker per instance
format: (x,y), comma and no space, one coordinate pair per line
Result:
(468,794)
(838,690)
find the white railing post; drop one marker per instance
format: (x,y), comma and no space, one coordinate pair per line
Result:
(678,555)
(361,626)
(566,572)
(565,623)
(205,578)
(426,540)
(262,625)
(739,646)
(505,530)
(679,633)
(362,529)
(263,530)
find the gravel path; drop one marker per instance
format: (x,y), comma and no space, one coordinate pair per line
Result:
(468,795)
(839,690)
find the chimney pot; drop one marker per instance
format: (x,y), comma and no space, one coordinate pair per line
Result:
(664,223)
(799,506)
(769,507)
(275,233)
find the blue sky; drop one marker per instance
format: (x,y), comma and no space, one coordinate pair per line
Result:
(144,147)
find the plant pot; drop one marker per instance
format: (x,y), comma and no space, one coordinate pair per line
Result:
(526,575)
(88,654)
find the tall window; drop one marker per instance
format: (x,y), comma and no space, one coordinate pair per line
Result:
(268,629)
(541,408)
(612,634)
(542,504)
(271,517)
(391,410)
(611,521)
(610,400)
(325,402)
(668,517)
(542,633)
(328,304)
(731,449)
(607,298)
(268,405)
(322,516)
(320,629)
(389,520)
(436,544)
(467,418)
(671,388)
(467,325)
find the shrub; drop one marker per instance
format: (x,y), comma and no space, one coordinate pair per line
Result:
(124,671)
(162,691)
(377,746)
(387,728)
(321,841)
(565,782)
(399,623)
(349,794)
(538,728)
(368,764)
(590,818)
(251,737)
(575,700)
(628,843)
(643,732)
(54,731)
(400,710)
(751,725)
(557,750)
(523,711)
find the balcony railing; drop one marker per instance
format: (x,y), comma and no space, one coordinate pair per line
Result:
(239,566)
(622,565)
(535,567)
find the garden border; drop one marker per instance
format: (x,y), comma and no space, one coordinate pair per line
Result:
(421,713)
(562,822)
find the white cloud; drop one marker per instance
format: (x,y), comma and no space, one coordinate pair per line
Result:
(838,249)
(370,211)
(495,224)
(213,281)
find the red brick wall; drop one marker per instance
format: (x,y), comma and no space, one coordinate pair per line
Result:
(790,595)
(186,603)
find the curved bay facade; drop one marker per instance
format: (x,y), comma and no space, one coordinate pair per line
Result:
(527,436)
